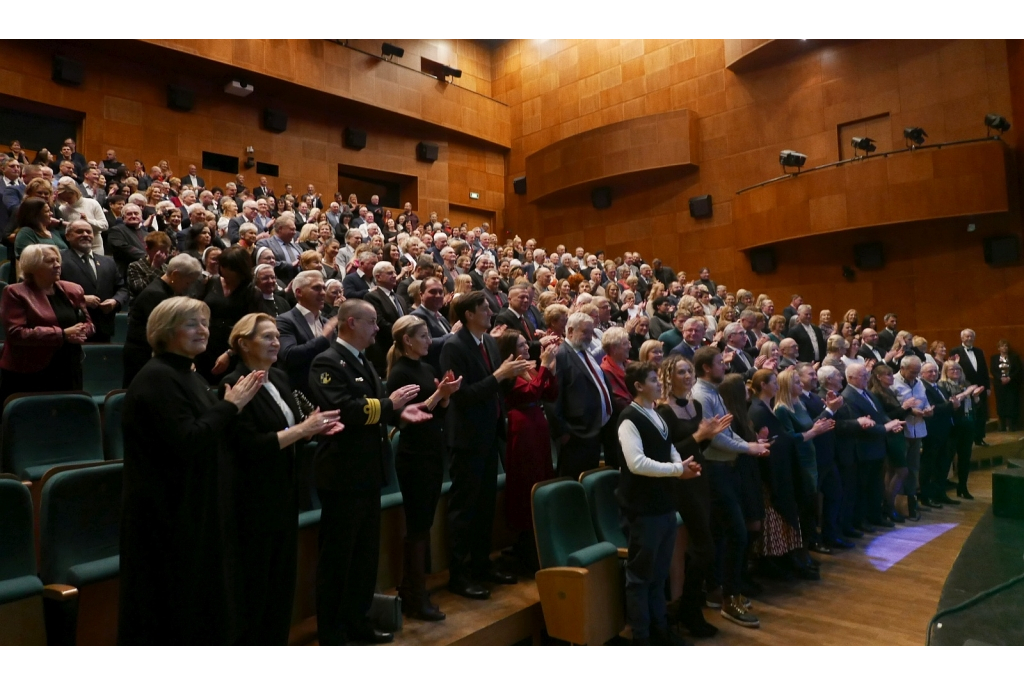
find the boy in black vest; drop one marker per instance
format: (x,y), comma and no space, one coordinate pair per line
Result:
(646,494)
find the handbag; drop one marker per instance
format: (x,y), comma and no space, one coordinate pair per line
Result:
(386,612)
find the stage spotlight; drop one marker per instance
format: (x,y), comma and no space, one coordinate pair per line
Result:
(452,71)
(791,158)
(387,51)
(915,135)
(867,145)
(997,122)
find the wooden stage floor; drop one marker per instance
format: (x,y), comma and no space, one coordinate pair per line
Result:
(883,592)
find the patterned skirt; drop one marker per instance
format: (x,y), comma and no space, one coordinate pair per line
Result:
(779,536)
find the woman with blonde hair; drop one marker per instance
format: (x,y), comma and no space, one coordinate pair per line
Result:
(657,290)
(228,211)
(962,438)
(261,522)
(835,353)
(851,318)
(74,207)
(419,459)
(651,351)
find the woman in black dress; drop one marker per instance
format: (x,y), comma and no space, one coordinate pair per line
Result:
(230,297)
(687,429)
(268,299)
(880,387)
(420,458)
(173,588)
(1006,374)
(261,534)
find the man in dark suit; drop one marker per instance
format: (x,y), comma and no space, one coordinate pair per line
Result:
(661,273)
(869,348)
(262,191)
(870,447)
(193,178)
(887,336)
(792,310)
(105,289)
(389,310)
(357,283)
(477,274)
(741,362)
(126,240)
(583,405)
(936,454)
(424,269)
(808,337)
(496,299)
(304,331)
(247,215)
(431,301)
(349,472)
(475,423)
(975,367)
(286,250)
(516,317)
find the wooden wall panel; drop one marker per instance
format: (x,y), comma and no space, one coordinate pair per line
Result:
(127,111)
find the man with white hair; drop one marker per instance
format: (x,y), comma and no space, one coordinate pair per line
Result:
(910,389)
(542,280)
(440,242)
(537,256)
(353,240)
(972,360)
(389,310)
(305,332)
(935,455)
(247,215)
(333,215)
(482,264)
(789,351)
(583,405)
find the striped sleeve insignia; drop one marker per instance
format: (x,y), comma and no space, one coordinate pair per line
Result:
(372,411)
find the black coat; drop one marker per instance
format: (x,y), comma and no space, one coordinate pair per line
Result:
(476,413)
(108,283)
(440,332)
(973,376)
(869,443)
(781,470)
(577,409)
(940,424)
(352,460)
(355,286)
(173,584)
(126,246)
(387,315)
(806,353)
(299,347)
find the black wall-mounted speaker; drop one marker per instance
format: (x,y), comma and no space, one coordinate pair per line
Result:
(275,120)
(354,138)
(869,256)
(67,71)
(762,260)
(519,185)
(180,99)
(700,206)
(1002,250)
(601,197)
(426,152)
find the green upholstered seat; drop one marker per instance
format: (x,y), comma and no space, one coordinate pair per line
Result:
(113,434)
(80,522)
(6,271)
(120,328)
(390,493)
(599,487)
(565,534)
(43,431)
(18,578)
(102,370)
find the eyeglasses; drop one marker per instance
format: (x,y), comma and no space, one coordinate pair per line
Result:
(372,322)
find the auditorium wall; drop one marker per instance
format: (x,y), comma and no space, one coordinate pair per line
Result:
(123,105)
(935,276)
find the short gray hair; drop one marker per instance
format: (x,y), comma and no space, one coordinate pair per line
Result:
(184,264)
(910,360)
(827,373)
(613,336)
(169,315)
(577,319)
(852,368)
(305,278)
(734,327)
(380,267)
(32,257)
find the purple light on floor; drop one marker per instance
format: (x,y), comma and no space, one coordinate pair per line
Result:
(887,550)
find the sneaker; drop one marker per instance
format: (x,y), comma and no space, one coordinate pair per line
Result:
(734,610)
(714,598)
(744,600)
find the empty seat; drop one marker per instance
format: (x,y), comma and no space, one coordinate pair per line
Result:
(580,582)
(102,370)
(79,527)
(113,433)
(599,486)
(6,271)
(120,328)
(46,430)
(21,591)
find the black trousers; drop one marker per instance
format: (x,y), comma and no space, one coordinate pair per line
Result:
(346,570)
(933,475)
(831,488)
(962,444)
(848,483)
(610,443)
(870,489)
(579,455)
(980,417)
(693,501)
(471,502)
(264,585)
(134,358)
(419,477)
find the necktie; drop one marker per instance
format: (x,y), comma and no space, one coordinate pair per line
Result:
(600,385)
(90,264)
(398,306)
(444,323)
(742,357)
(487,361)
(867,396)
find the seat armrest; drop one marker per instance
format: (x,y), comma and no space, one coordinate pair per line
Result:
(582,558)
(60,593)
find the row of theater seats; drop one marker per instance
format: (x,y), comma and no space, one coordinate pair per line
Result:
(60,503)
(581,547)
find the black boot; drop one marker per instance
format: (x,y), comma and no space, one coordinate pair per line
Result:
(415,601)
(692,618)
(912,513)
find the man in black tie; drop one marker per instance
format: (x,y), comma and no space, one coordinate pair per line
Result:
(476,422)
(431,301)
(424,269)
(741,362)
(583,405)
(349,472)
(105,289)
(972,360)
(304,331)
(693,336)
(389,310)
(748,319)
(193,179)
(496,299)
(936,452)
(357,283)
(515,316)
(870,447)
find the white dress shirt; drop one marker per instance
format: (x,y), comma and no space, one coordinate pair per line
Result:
(814,339)
(312,319)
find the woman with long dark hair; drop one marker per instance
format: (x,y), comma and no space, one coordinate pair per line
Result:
(229,297)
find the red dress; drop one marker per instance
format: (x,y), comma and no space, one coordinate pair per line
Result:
(528,453)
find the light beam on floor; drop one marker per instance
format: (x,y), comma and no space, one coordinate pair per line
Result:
(887,550)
